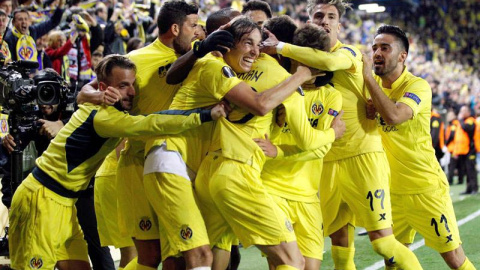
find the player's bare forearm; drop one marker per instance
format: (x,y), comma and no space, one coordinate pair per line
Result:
(181,67)
(89,93)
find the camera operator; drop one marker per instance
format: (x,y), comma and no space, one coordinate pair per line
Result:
(51,118)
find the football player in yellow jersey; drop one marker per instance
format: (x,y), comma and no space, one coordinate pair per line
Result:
(47,196)
(420,191)
(177,23)
(293,180)
(211,80)
(356,167)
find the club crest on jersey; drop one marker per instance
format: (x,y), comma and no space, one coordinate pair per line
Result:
(228,72)
(289,226)
(162,71)
(145,224)
(332,112)
(36,262)
(186,232)
(435,124)
(317,108)
(412,96)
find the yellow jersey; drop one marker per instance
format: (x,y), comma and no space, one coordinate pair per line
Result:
(413,166)
(206,85)
(296,175)
(152,93)
(109,165)
(236,135)
(78,150)
(361,135)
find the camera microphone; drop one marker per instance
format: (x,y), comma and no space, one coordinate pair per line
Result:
(26,64)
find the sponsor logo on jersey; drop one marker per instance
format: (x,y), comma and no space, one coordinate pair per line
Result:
(412,96)
(317,108)
(435,124)
(145,224)
(350,50)
(228,72)
(250,76)
(162,71)
(186,232)
(332,112)
(385,127)
(313,122)
(36,262)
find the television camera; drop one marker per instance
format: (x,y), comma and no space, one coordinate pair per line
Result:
(20,97)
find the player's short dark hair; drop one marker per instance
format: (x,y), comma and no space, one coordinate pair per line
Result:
(219,18)
(340,5)
(174,12)
(283,27)
(241,27)
(312,36)
(396,32)
(257,5)
(106,65)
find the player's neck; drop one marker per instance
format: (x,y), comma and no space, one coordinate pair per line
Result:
(391,77)
(167,40)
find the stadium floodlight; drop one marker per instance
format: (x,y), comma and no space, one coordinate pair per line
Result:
(376,9)
(367,6)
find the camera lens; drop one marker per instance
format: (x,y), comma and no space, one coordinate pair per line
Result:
(46,94)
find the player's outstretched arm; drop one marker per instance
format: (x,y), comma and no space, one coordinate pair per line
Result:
(264,102)
(109,122)
(328,61)
(393,113)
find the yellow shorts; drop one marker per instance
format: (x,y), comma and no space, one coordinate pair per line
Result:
(356,190)
(136,217)
(431,214)
(243,201)
(44,228)
(107,214)
(181,224)
(219,232)
(307,224)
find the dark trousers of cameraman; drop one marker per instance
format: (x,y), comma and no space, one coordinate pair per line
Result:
(100,256)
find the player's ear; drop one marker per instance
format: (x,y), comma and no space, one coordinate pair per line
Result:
(102,86)
(403,56)
(175,28)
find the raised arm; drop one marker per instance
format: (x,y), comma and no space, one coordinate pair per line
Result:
(220,40)
(393,113)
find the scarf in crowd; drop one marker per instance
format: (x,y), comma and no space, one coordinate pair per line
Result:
(26,48)
(5,51)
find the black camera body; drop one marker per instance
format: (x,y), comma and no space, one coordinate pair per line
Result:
(20,93)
